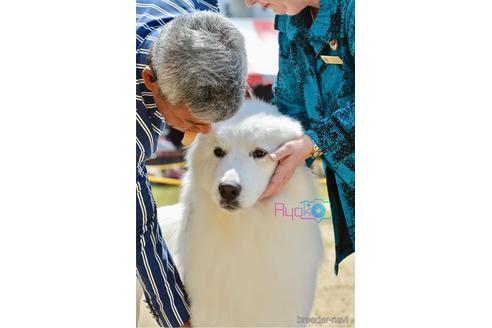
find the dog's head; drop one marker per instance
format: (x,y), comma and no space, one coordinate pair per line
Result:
(231,163)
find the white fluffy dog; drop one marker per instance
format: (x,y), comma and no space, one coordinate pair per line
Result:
(242,262)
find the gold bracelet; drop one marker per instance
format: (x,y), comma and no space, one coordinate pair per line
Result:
(317,152)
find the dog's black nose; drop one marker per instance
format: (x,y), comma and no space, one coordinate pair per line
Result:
(229,191)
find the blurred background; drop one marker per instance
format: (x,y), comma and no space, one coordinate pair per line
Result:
(334,294)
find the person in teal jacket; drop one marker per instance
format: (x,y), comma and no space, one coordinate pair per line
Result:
(316,85)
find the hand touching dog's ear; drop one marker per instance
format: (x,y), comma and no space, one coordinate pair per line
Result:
(288,156)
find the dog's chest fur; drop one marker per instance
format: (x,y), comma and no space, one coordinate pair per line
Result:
(250,268)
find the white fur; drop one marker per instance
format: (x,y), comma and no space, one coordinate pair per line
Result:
(247,267)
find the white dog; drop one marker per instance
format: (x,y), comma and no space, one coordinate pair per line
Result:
(242,261)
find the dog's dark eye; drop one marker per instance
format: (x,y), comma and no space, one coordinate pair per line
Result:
(219,152)
(259,153)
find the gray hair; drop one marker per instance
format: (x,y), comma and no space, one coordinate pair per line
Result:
(200,61)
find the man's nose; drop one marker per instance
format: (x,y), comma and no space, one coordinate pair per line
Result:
(229,190)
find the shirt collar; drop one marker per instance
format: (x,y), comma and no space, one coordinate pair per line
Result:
(326,27)
(328,23)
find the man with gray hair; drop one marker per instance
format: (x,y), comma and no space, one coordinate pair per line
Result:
(191,71)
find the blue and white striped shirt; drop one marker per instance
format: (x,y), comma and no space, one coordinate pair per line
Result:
(155,268)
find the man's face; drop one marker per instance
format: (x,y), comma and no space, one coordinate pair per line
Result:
(178,116)
(280,7)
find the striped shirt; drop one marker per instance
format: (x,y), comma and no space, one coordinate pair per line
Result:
(156,271)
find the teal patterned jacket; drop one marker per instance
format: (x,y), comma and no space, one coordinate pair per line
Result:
(321,96)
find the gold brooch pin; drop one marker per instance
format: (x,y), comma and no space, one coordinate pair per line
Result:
(333,44)
(334,60)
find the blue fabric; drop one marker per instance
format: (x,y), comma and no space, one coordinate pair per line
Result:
(156,271)
(321,96)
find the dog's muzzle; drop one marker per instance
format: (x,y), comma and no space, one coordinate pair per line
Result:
(229,193)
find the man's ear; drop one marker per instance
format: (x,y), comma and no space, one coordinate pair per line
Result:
(150,79)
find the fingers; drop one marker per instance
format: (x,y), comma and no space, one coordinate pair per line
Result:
(282,174)
(274,184)
(268,192)
(282,152)
(289,156)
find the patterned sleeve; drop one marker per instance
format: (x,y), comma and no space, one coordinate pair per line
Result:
(336,138)
(335,135)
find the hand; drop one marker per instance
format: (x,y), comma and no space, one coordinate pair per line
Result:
(186,325)
(289,156)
